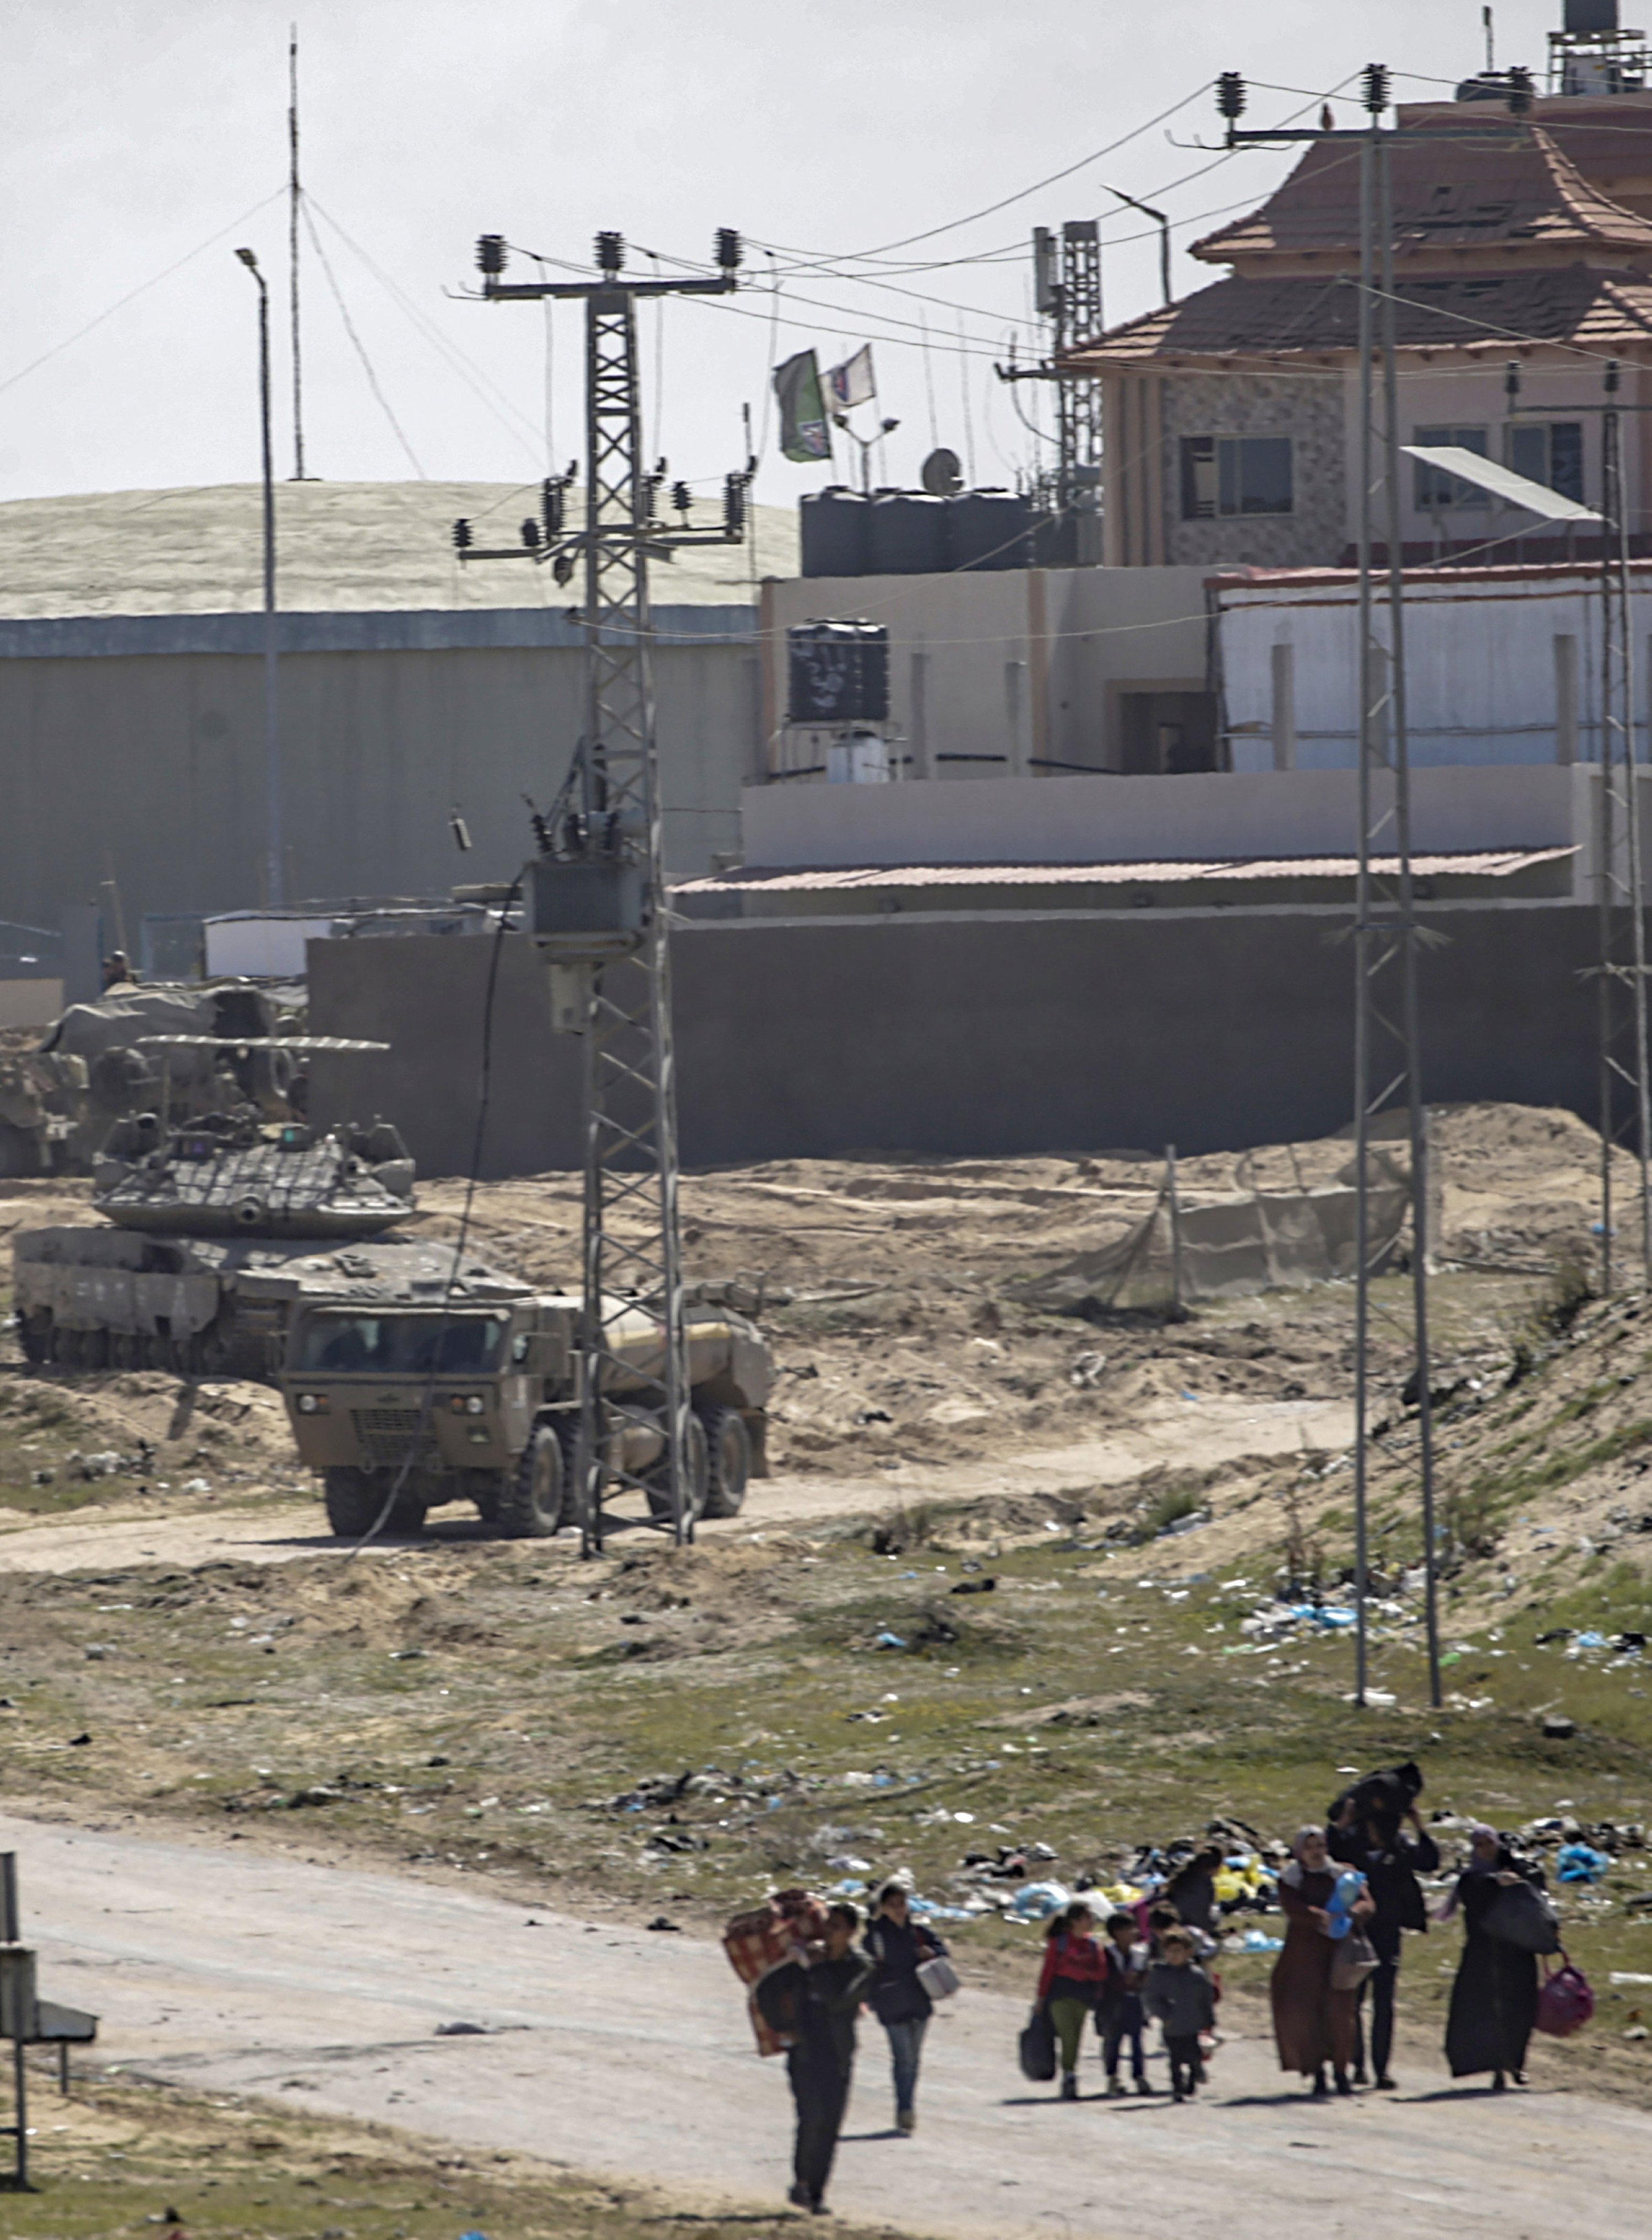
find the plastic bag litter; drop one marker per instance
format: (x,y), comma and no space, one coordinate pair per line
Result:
(1037,1901)
(1582,1862)
(1257,1940)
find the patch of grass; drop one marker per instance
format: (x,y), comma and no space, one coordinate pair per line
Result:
(115,2158)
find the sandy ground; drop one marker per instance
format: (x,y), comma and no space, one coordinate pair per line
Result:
(1193,1434)
(627,2054)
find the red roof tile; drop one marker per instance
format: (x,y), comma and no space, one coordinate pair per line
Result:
(1456,185)
(1239,318)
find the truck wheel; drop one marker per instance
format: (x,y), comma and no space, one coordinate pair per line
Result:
(533,1503)
(728,1445)
(353,1505)
(698,1457)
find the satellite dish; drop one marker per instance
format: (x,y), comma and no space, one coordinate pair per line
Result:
(942,474)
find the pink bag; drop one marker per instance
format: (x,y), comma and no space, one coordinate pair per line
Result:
(1565,2001)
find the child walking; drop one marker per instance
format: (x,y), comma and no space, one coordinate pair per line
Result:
(1120,2013)
(1071,1983)
(1181,1997)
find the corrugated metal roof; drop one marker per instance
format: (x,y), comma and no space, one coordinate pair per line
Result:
(1498,864)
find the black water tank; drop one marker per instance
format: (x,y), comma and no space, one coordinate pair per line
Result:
(837,673)
(909,534)
(1584,18)
(833,526)
(989,529)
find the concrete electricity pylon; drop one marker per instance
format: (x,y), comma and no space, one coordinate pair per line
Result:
(594,901)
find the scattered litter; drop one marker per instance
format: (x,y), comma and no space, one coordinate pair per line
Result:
(887,1640)
(1623,1976)
(660,1922)
(1037,1901)
(1580,1863)
(1558,1729)
(461,2029)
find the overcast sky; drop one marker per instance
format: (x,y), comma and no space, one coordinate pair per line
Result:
(139,141)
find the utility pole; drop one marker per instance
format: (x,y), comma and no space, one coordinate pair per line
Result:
(295,197)
(1623,1053)
(274,882)
(1623,1059)
(594,900)
(1387,1067)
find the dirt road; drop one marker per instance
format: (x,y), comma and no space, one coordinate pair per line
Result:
(1182,1434)
(625,2053)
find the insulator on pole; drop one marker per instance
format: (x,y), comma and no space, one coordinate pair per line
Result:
(1374,88)
(461,537)
(1611,376)
(1230,96)
(491,255)
(1511,378)
(531,534)
(1521,92)
(610,251)
(730,249)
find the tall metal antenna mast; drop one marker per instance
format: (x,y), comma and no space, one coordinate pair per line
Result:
(295,196)
(1387,1069)
(596,904)
(1067,290)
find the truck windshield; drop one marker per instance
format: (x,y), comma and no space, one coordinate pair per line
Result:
(401,1345)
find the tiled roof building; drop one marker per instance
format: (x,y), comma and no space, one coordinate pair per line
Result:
(1230,415)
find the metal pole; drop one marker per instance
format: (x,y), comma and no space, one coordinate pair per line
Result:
(20,2091)
(1410,1016)
(1362,930)
(1174,1201)
(295,195)
(274,895)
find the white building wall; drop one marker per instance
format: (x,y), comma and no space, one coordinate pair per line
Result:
(1483,680)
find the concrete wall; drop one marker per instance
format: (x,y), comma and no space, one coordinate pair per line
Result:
(134,749)
(933,1034)
(1020,668)
(1084,820)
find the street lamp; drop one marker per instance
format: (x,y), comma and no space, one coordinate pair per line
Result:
(274,893)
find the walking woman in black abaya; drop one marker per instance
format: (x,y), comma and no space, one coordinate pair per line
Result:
(1493,2000)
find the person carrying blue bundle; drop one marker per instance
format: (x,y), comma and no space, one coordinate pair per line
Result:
(1367,1829)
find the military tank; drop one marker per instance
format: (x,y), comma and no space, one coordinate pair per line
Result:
(210,1227)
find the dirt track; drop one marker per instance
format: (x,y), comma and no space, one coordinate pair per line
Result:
(627,2054)
(1181,1433)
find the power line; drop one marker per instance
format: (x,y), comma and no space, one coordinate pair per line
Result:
(360,347)
(143,289)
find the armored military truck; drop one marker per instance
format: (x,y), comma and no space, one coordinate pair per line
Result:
(471,1395)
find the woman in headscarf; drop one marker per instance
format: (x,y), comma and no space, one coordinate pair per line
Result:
(1313,2023)
(1493,2000)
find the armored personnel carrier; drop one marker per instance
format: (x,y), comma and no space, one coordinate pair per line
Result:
(209,1221)
(414,1390)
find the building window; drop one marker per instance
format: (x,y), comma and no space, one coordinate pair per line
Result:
(1223,477)
(1437,491)
(1548,452)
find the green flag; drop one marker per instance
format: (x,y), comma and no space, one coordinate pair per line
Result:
(805,434)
